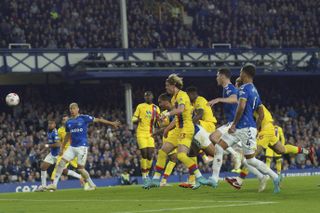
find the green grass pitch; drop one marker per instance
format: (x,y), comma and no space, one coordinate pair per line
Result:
(299,194)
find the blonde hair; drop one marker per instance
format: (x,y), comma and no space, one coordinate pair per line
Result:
(176,80)
(73,104)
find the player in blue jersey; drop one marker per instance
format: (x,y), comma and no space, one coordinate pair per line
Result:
(76,128)
(244,129)
(51,158)
(229,101)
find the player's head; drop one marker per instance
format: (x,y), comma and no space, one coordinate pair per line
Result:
(173,82)
(223,76)
(192,93)
(238,82)
(51,124)
(247,73)
(164,101)
(148,97)
(74,109)
(65,117)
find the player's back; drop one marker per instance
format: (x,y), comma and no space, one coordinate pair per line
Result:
(147,113)
(267,119)
(249,93)
(184,119)
(201,103)
(229,110)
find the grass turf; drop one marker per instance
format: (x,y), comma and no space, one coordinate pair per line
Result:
(299,194)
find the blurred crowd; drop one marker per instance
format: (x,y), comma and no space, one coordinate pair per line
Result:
(161,24)
(23,128)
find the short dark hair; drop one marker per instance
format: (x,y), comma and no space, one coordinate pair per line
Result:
(148,93)
(192,89)
(165,97)
(225,71)
(249,69)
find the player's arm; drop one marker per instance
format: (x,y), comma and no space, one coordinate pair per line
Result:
(239,112)
(232,99)
(171,126)
(260,117)
(282,138)
(198,114)
(136,115)
(115,124)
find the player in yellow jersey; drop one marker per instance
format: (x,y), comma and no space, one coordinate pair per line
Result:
(205,123)
(183,131)
(146,116)
(61,134)
(164,101)
(270,154)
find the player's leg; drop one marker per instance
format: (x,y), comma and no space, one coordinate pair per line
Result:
(169,167)
(247,137)
(215,138)
(82,154)
(166,148)
(47,162)
(278,164)
(150,152)
(143,147)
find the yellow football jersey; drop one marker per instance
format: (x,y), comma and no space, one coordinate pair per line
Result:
(267,117)
(62,134)
(184,119)
(201,103)
(147,113)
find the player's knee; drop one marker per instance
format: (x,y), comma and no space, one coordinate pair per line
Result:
(144,153)
(62,163)
(43,167)
(173,158)
(65,172)
(213,138)
(181,156)
(280,151)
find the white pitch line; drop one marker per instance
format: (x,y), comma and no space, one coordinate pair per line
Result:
(199,207)
(125,200)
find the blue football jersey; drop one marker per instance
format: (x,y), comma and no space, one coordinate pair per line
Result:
(53,138)
(253,101)
(229,109)
(78,128)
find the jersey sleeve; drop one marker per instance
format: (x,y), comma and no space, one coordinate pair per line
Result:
(233,91)
(243,93)
(88,118)
(67,127)
(55,137)
(182,99)
(136,113)
(200,104)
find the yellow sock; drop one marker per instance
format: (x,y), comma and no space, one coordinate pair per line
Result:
(169,168)
(189,163)
(149,164)
(244,172)
(279,165)
(268,161)
(161,163)
(192,179)
(203,155)
(144,170)
(290,149)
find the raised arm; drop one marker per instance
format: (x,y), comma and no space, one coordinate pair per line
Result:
(232,99)
(115,124)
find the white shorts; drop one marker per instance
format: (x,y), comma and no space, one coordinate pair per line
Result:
(224,129)
(51,159)
(247,137)
(80,152)
(202,137)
